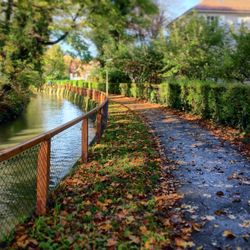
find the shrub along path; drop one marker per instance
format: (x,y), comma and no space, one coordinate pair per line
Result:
(213,177)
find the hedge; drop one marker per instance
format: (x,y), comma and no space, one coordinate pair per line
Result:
(223,103)
(144,91)
(113,87)
(227,104)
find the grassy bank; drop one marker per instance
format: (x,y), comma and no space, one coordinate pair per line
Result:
(121,199)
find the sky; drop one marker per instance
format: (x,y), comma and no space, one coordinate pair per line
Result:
(175,8)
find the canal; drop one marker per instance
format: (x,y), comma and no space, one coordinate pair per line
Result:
(18,175)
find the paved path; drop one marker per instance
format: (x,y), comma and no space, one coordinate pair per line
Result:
(214,177)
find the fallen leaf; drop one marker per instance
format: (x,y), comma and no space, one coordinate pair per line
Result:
(220,193)
(209,217)
(130,196)
(22,242)
(134,239)
(228,234)
(179,242)
(111,242)
(143,229)
(220,212)
(167,223)
(106,226)
(245,224)
(196,227)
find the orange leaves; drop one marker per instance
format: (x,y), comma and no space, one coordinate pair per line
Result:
(150,243)
(23,241)
(103,205)
(134,239)
(130,196)
(105,226)
(167,200)
(179,242)
(228,234)
(121,198)
(143,229)
(111,242)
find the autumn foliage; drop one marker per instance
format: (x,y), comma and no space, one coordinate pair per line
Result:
(122,199)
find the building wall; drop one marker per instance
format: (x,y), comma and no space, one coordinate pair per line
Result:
(229,19)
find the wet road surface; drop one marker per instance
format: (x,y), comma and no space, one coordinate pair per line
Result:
(213,177)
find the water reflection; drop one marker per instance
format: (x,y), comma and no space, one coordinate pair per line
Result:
(42,114)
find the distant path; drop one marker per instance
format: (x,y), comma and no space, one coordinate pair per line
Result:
(214,177)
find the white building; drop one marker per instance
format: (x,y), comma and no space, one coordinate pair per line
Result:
(231,13)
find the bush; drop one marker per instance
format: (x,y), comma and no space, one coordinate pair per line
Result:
(113,87)
(227,104)
(223,103)
(12,105)
(124,89)
(236,108)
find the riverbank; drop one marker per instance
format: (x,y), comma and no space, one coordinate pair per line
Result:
(123,198)
(12,104)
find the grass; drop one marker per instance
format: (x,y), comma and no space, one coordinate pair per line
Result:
(116,201)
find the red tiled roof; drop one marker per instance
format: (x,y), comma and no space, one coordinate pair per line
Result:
(224,5)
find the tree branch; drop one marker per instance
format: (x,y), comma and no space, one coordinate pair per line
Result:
(62,37)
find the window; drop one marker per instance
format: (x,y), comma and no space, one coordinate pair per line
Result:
(240,20)
(210,18)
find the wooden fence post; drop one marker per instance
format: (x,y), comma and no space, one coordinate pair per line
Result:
(94,95)
(99,126)
(85,140)
(43,170)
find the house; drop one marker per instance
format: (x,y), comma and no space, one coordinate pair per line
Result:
(79,70)
(230,13)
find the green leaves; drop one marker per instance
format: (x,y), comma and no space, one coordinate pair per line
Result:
(193,47)
(54,67)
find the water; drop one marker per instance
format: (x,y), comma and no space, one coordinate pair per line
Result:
(18,174)
(42,114)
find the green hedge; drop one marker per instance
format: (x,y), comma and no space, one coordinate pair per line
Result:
(144,91)
(224,103)
(113,87)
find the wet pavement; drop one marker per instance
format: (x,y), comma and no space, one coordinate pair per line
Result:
(213,177)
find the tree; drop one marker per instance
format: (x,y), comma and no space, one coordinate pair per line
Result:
(193,48)
(122,24)
(141,63)
(132,52)
(26,27)
(237,57)
(54,65)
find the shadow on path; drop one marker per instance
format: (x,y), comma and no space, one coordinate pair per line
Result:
(214,177)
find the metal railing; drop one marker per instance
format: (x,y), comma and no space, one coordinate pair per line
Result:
(25,169)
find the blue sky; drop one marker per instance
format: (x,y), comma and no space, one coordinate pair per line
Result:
(175,8)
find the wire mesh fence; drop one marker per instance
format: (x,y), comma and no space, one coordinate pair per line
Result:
(31,170)
(66,149)
(17,188)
